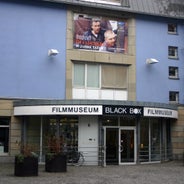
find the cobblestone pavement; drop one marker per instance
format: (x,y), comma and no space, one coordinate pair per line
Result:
(162,173)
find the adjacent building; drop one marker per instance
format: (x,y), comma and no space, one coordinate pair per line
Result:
(106,76)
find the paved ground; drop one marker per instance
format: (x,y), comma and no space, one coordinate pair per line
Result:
(164,173)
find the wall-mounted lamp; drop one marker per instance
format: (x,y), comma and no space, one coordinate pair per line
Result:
(52,52)
(151,61)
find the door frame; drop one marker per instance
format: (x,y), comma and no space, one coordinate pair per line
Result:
(135,144)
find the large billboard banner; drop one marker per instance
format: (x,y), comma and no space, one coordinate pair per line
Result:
(100,34)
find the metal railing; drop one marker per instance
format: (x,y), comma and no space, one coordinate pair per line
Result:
(97,155)
(92,155)
(155,154)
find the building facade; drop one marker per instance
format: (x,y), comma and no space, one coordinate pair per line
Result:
(109,101)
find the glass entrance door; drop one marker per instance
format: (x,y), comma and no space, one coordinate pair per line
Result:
(120,144)
(112,136)
(127,145)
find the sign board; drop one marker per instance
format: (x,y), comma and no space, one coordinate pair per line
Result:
(100,34)
(160,112)
(59,110)
(95,110)
(122,110)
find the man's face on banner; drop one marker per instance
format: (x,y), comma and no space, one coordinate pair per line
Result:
(110,38)
(111,41)
(95,27)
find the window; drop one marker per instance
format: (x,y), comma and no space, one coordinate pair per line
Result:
(100,76)
(4,135)
(65,127)
(86,75)
(173,72)
(93,76)
(174,97)
(155,140)
(114,76)
(173,52)
(114,2)
(172,28)
(79,75)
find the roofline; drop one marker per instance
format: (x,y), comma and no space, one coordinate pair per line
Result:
(109,7)
(37,102)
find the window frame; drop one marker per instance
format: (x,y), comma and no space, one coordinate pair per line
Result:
(86,76)
(176,72)
(172,49)
(175,95)
(175,29)
(114,83)
(74,81)
(122,84)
